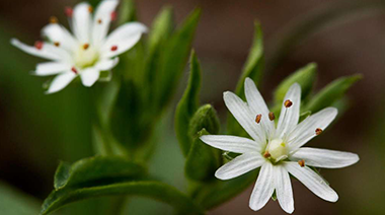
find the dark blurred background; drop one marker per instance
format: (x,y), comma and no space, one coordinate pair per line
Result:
(342,37)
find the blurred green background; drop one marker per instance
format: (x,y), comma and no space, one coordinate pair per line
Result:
(342,37)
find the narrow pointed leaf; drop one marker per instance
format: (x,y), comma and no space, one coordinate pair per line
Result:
(331,93)
(127,12)
(188,105)
(253,69)
(174,60)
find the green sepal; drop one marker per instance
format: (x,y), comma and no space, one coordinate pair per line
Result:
(188,105)
(331,93)
(202,160)
(204,118)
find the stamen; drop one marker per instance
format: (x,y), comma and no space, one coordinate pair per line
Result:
(258,118)
(90,9)
(53,20)
(301,163)
(113,16)
(73,69)
(57,44)
(39,45)
(114,48)
(266,154)
(68,11)
(318,131)
(288,103)
(99,21)
(86,46)
(271,116)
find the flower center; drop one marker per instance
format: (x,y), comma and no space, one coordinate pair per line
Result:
(276,150)
(86,56)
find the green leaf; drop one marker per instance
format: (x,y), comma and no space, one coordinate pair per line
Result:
(127,12)
(305,77)
(162,27)
(331,93)
(210,195)
(202,160)
(152,189)
(188,105)
(96,170)
(253,69)
(173,61)
(15,202)
(159,36)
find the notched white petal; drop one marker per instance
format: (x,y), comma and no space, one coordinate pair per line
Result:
(289,116)
(61,81)
(312,181)
(324,158)
(242,114)
(105,65)
(263,188)
(89,76)
(122,39)
(232,143)
(239,166)
(283,189)
(308,128)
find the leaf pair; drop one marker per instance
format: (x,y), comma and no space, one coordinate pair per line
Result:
(105,176)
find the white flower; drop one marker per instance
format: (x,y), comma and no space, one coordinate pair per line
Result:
(86,53)
(278,151)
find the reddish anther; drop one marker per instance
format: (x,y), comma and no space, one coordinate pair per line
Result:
(74,70)
(114,48)
(68,11)
(39,45)
(113,16)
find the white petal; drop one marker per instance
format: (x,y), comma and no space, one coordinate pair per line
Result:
(257,105)
(231,143)
(289,117)
(325,158)
(61,81)
(102,20)
(57,33)
(263,188)
(51,68)
(239,166)
(312,181)
(242,114)
(124,38)
(89,76)
(283,189)
(48,51)
(81,22)
(105,65)
(305,131)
